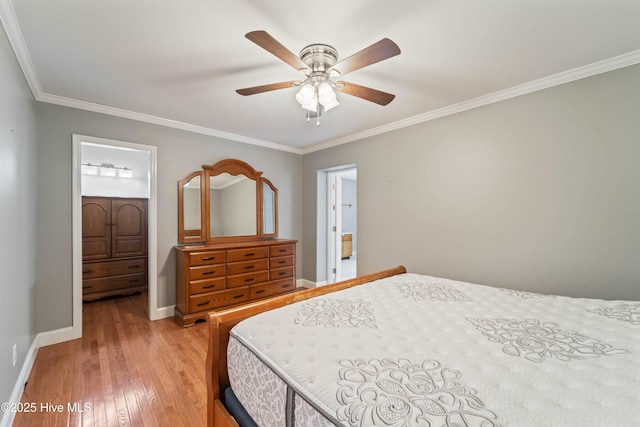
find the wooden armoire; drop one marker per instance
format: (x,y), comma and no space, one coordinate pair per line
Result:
(114,246)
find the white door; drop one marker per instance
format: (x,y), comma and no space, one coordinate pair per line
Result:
(335,229)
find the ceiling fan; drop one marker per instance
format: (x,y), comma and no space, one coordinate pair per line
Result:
(319,63)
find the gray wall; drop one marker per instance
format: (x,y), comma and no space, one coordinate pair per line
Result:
(17,218)
(540,192)
(179,153)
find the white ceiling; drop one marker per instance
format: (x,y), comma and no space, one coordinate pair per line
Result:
(178,63)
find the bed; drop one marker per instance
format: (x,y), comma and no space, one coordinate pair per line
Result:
(401,349)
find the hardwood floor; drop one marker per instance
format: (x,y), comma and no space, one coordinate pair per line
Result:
(124,371)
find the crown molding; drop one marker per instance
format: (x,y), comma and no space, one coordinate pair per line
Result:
(14,34)
(147,118)
(611,64)
(12,28)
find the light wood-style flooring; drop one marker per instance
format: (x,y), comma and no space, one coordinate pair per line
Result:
(126,370)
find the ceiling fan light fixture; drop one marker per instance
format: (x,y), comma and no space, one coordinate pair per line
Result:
(308,97)
(313,106)
(327,96)
(329,105)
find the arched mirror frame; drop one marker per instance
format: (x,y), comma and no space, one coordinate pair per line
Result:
(263,204)
(232,167)
(185,235)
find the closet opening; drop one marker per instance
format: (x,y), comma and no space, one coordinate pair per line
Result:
(114,223)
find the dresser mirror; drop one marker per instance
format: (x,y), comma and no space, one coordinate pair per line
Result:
(269,209)
(191,220)
(226,202)
(232,206)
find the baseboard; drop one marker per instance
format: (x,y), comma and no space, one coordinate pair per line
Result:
(54,337)
(23,377)
(304,283)
(164,312)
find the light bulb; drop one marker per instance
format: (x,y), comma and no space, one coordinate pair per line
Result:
(327,96)
(307,97)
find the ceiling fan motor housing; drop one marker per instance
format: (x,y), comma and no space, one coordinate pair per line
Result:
(319,58)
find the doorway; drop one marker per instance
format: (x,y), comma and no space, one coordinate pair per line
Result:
(123,159)
(342,227)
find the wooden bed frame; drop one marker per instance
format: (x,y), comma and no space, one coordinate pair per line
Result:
(221,322)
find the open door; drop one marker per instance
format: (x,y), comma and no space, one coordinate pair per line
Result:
(342,224)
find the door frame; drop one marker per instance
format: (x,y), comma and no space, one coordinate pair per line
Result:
(76,215)
(334,221)
(334,225)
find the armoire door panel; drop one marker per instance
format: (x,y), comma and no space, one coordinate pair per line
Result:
(96,228)
(95,250)
(129,230)
(124,247)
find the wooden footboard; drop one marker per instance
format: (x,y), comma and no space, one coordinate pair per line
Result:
(221,322)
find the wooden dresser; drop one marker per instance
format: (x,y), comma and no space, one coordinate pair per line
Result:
(215,276)
(347,248)
(114,246)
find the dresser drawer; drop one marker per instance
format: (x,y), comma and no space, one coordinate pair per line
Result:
(207,285)
(113,268)
(247,266)
(247,254)
(285,261)
(247,279)
(91,286)
(281,250)
(213,300)
(273,288)
(280,273)
(206,258)
(206,272)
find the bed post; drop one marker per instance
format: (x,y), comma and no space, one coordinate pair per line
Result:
(216,371)
(213,387)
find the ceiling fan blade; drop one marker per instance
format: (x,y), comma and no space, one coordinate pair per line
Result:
(379,51)
(265,88)
(273,46)
(366,93)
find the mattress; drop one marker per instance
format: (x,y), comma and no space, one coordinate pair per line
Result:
(415,350)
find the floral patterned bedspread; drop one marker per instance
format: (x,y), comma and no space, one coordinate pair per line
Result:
(415,350)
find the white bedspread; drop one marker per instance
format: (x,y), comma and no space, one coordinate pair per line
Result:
(414,350)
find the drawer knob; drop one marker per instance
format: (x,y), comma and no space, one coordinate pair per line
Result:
(250,254)
(209,258)
(87,287)
(88,271)
(282,262)
(287,285)
(238,296)
(260,291)
(134,280)
(208,272)
(282,273)
(200,304)
(249,279)
(249,267)
(134,266)
(208,286)
(282,250)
